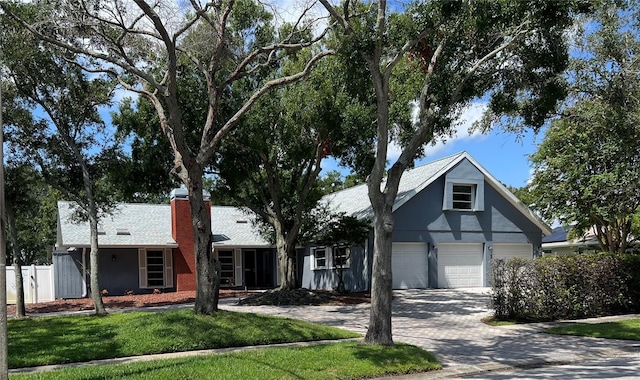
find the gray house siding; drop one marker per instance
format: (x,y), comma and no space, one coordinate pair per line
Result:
(422,219)
(119,271)
(356,277)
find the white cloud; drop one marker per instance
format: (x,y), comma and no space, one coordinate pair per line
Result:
(470,115)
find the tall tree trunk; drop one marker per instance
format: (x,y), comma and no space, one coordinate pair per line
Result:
(286,255)
(4,356)
(207,268)
(379,331)
(96,295)
(17,263)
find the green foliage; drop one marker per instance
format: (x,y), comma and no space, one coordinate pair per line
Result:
(41,341)
(53,120)
(271,164)
(565,287)
(348,360)
(33,204)
(585,170)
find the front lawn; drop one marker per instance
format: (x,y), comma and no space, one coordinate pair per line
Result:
(626,329)
(54,340)
(345,360)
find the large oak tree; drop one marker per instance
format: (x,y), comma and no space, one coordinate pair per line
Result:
(507,53)
(149,46)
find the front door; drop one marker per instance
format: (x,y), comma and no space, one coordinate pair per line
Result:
(257,268)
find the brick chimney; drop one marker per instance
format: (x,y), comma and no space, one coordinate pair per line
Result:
(184,261)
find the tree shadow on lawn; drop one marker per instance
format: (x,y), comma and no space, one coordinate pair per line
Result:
(57,340)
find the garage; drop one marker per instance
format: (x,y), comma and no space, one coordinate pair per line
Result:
(409,264)
(460,265)
(508,251)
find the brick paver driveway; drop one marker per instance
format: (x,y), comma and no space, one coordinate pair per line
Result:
(448,323)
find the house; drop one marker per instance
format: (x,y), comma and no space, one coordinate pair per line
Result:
(558,243)
(150,246)
(451,218)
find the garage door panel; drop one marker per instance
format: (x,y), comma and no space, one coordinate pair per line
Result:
(460,265)
(410,265)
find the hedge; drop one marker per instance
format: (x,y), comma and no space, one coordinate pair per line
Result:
(565,287)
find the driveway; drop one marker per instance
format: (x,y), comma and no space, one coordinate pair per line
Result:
(448,324)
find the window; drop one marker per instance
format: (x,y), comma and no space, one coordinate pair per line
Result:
(328,258)
(463,197)
(155,268)
(319,257)
(463,194)
(226,267)
(342,257)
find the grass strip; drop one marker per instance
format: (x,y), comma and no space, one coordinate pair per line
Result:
(56,340)
(626,329)
(344,360)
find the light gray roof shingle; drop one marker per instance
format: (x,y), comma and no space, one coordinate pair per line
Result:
(355,200)
(150,225)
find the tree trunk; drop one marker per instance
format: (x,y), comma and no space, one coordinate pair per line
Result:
(96,295)
(17,263)
(286,254)
(379,331)
(207,268)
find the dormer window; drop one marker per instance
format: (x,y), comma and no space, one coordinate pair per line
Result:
(461,194)
(463,197)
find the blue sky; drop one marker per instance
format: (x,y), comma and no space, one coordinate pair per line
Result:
(503,154)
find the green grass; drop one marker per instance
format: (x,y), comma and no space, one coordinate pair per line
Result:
(54,340)
(626,329)
(492,321)
(345,360)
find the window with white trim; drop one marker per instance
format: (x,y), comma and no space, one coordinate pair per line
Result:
(155,268)
(319,257)
(463,197)
(329,258)
(342,257)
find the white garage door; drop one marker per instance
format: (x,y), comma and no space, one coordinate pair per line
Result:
(460,265)
(409,265)
(507,251)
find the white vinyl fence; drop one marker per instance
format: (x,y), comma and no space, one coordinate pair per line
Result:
(38,284)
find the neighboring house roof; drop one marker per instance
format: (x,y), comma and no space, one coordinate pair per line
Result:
(149,225)
(560,239)
(355,201)
(559,234)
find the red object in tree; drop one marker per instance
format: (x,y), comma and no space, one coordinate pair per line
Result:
(326,148)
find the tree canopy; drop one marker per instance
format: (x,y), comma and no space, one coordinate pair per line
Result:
(586,171)
(509,53)
(150,47)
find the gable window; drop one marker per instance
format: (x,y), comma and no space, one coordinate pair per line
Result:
(463,197)
(155,268)
(319,257)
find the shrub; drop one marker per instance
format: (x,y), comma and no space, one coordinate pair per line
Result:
(565,287)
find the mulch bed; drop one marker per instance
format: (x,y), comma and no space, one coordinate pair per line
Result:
(294,297)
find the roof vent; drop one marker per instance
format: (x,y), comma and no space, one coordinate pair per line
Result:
(101,230)
(122,231)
